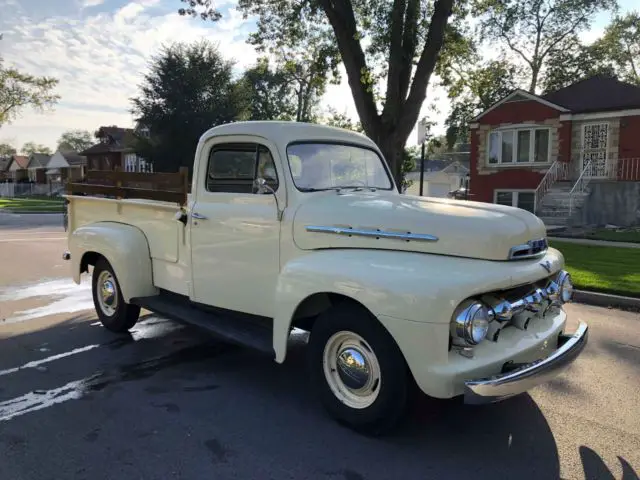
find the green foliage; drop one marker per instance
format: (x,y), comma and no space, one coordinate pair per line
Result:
(269,93)
(188,89)
(341,120)
(535,30)
(20,90)
(75,141)
(620,45)
(31,147)
(298,37)
(6,150)
(574,63)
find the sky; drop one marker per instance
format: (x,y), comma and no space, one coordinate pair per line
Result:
(99,50)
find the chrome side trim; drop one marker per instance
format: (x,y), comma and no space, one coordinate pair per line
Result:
(418,237)
(502,386)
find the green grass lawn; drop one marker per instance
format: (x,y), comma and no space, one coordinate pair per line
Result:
(37,205)
(602,269)
(604,234)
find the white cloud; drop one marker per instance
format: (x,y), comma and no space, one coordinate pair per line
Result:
(100,59)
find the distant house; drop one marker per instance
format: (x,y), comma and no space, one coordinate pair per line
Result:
(5,163)
(547,153)
(66,166)
(115,150)
(37,167)
(438,183)
(18,168)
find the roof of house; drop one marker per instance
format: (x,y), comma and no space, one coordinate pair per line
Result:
(112,139)
(21,160)
(38,160)
(595,94)
(74,158)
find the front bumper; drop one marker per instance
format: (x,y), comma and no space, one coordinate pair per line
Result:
(525,377)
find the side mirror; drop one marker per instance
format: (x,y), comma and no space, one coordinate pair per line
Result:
(261,186)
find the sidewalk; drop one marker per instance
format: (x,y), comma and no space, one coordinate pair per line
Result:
(599,243)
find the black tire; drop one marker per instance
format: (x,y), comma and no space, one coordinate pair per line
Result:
(389,407)
(124,315)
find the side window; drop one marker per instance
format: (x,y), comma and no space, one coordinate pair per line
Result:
(267,167)
(231,168)
(234,167)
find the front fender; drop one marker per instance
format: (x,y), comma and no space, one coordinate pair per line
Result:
(396,285)
(124,246)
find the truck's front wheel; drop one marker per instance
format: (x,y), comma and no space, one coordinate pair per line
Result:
(358,370)
(113,312)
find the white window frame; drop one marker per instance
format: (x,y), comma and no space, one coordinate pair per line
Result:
(514,198)
(514,129)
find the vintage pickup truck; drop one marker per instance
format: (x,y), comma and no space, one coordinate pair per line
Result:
(291,225)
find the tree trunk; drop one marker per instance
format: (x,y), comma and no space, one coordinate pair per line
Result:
(392,147)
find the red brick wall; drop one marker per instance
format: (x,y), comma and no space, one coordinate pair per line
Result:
(519,112)
(482,186)
(629,137)
(564,142)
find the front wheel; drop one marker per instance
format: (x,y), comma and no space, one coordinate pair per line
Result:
(358,370)
(113,312)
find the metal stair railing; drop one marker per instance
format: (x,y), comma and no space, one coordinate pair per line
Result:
(581,184)
(557,171)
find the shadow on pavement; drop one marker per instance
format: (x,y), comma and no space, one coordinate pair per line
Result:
(194,405)
(595,468)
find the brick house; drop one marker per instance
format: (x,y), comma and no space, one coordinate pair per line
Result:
(546,153)
(115,149)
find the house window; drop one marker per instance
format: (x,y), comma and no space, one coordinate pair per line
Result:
(519,145)
(524,199)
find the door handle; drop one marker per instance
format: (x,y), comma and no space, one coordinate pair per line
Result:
(198,216)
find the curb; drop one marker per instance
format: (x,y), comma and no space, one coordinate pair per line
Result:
(607,300)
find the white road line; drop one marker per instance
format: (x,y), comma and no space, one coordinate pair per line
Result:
(37,363)
(32,402)
(32,239)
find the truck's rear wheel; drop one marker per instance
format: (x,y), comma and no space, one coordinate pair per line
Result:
(358,370)
(114,313)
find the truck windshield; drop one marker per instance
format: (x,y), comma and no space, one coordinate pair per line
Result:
(325,166)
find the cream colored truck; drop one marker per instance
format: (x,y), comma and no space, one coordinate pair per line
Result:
(292,225)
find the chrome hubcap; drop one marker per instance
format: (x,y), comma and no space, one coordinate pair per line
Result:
(352,370)
(107,293)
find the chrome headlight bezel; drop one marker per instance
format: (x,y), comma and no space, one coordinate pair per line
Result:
(470,323)
(566,288)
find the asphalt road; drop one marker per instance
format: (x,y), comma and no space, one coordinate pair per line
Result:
(169,402)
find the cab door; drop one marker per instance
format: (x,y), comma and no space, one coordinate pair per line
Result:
(235,231)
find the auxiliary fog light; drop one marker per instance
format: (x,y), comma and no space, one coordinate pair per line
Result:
(470,323)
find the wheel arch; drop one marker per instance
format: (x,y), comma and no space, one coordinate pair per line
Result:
(126,249)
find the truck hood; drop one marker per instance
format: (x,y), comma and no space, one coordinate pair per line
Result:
(408,223)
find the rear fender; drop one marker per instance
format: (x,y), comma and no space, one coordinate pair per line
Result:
(124,246)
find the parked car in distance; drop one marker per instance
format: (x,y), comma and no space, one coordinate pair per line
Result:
(292,225)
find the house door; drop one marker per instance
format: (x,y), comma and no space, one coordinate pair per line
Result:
(595,139)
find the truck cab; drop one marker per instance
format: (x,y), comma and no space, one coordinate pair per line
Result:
(293,225)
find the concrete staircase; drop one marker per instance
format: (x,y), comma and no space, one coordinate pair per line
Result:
(554,209)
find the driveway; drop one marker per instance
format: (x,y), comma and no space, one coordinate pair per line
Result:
(167,401)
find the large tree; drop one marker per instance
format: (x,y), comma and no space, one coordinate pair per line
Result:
(269,93)
(620,45)
(188,89)
(19,90)
(32,147)
(575,62)
(533,31)
(75,141)
(6,149)
(403,41)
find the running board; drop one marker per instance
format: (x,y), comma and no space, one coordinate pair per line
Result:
(228,327)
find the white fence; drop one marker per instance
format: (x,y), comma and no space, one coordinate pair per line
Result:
(9,190)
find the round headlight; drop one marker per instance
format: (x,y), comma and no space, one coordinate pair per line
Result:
(565,286)
(471,324)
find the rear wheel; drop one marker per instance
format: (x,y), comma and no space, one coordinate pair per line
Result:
(358,370)
(114,313)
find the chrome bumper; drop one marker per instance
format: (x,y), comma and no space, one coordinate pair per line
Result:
(525,377)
